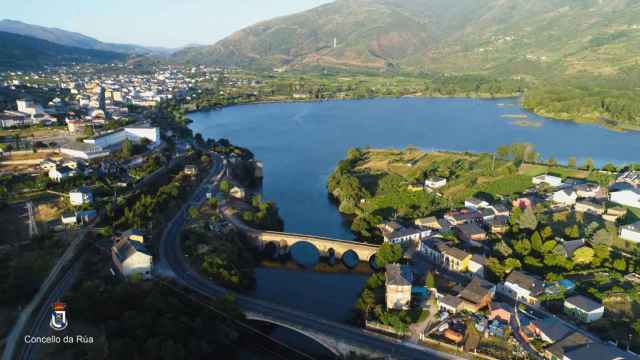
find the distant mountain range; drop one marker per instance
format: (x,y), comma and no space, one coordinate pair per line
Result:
(541,38)
(74,39)
(18,51)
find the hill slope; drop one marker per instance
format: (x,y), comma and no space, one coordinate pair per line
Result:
(68,38)
(18,51)
(518,37)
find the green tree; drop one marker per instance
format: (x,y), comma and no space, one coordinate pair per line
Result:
(536,242)
(387,254)
(610,167)
(225,186)
(620,264)
(496,271)
(572,162)
(583,255)
(512,264)
(522,247)
(588,164)
(548,246)
(572,231)
(528,220)
(602,237)
(502,248)
(547,232)
(430,281)
(194,212)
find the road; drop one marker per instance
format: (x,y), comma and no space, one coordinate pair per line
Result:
(40,326)
(172,257)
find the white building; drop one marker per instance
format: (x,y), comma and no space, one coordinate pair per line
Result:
(131,258)
(475,203)
(83,151)
(403,235)
(628,197)
(522,287)
(60,173)
(28,107)
(565,197)
(550,180)
(398,280)
(631,232)
(80,196)
(134,134)
(435,182)
(583,308)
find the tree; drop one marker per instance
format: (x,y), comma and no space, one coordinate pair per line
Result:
(552,161)
(430,281)
(515,215)
(503,249)
(528,219)
(548,246)
(512,264)
(547,232)
(588,164)
(127,148)
(496,271)
(194,212)
(536,242)
(572,162)
(256,200)
(610,167)
(602,237)
(522,247)
(620,264)
(387,254)
(225,186)
(583,255)
(572,231)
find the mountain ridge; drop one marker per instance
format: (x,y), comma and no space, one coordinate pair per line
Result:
(513,37)
(76,39)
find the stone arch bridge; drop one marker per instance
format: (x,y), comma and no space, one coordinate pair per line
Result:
(323,244)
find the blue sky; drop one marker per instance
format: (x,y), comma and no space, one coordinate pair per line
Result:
(170,23)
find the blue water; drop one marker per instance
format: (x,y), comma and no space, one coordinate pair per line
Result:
(301,143)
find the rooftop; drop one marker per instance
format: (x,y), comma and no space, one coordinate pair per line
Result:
(584,303)
(399,275)
(525,281)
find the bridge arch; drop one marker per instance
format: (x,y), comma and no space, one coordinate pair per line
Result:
(326,343)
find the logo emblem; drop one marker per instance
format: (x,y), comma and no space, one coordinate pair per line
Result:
(59,319)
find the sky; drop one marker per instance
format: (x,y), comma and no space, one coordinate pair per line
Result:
(168,23)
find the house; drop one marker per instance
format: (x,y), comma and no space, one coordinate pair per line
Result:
(477,294)
(471,233)
(398,280)
(630,177)
(590,207)
(500,312)
(499,225)
(448,257)
(570,246)
(583,308)
(48,164)
(131,258)
(550,330)
(524,202)
(500,210)
(60,173)
(522,287)
(565,197)
(87,216)
(453,335)
(133,235)
(403,235)
(80,196)
(191,170)
(587,190)
(631,232)
(477,264)
(435,182)
(69,218)
(628,197)
(463,216)
(389,227)
(430,222)
(475,203)
(451,304)
(614,213)
(550,180)
(238,193)
(597,351)
(572,341)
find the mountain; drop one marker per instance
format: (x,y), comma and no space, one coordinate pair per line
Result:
(18,51)
(514,37)
(74,39)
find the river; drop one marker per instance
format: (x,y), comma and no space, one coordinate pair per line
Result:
(301,143)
